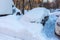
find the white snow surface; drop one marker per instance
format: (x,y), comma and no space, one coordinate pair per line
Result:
(17,10)
(6,37)
(36,14)
(10,26)
(56,12)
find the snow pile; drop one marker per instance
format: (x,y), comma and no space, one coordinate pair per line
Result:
(16,12)
(10,26)
(35,15)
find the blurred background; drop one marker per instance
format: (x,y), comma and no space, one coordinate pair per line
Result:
(29,4)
